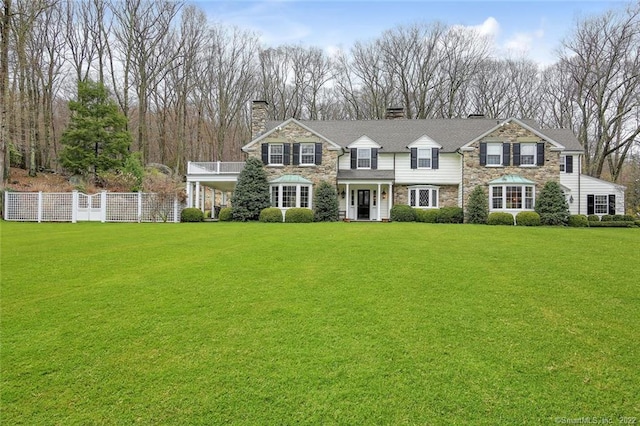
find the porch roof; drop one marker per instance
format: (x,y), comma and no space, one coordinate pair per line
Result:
(511,179)
(366,174)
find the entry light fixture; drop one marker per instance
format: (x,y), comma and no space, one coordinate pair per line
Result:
(571,199)
(342,194)
(384,194)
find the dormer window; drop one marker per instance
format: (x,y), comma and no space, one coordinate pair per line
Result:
(424,158)
(364,158)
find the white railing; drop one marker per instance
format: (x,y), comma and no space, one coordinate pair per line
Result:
(214,167)
(76,206)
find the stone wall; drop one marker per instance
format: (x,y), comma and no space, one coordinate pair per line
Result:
(475,174)
(292,133)
(448,195)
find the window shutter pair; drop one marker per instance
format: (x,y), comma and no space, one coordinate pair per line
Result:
(318,154)
(286,151)
(354,158)
(435,157)
(506,153)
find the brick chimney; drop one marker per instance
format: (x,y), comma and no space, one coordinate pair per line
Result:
(394,113)
(259,115)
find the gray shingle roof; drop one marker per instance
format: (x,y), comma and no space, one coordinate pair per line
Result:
(395,135)
(366,174)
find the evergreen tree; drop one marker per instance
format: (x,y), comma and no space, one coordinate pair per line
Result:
(551,205)
(325,203)
(477,206)
(252,192)
(96,139)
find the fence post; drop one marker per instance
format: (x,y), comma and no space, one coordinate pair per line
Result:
(6,205)
(176,219)
(103,206)
(74,206)
(139,206)
(39,206)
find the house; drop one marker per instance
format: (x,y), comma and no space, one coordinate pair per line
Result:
(431,163)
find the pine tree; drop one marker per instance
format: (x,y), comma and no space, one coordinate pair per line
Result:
(252,192)
(552,206)
(325,202)
(477,207)
(96,139)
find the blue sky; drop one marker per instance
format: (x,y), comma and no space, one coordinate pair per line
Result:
(519,28)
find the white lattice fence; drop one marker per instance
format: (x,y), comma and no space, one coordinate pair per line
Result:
(75,206)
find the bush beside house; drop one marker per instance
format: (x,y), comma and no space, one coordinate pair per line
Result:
(191,214)
(551,205)
(477,208)
(226,214)
(528,219)
(325,202)
(252,192)
(500,218)
(298,215)
(403,213)
(271,215)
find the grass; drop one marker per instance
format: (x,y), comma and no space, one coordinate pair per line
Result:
(398,323)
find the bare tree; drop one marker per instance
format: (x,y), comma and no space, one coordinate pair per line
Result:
(602,56)
(5,23)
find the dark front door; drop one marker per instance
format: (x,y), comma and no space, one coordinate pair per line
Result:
(364,196)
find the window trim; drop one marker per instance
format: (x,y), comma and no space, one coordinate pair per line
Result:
(604,204)
(533,155)
(312,155)
(527,196)
(413,196)
(300,199)
(424,157)
(359,157)
(500,149)
(271,154)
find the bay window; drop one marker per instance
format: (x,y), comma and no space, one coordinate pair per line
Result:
(423,197)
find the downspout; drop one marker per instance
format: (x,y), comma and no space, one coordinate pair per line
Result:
(579,190)
(461,178)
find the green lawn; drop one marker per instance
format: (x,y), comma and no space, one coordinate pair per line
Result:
(343,323)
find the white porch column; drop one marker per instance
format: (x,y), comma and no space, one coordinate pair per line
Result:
(390,203)
(378,201)
(188,188)
(197,195)
(348,206)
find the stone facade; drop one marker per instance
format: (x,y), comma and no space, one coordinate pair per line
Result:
(292,133)
(475,174)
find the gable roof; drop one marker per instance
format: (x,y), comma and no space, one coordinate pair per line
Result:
(396,135)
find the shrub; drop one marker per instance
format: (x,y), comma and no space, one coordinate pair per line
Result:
(298,215)
(606,218)
(226,214)
(528,219)
(628,218)
(426,216)
(593,218)
(578,221)
(271,214)
(551,205)
(252,192)
(325,202)
(500,218)
(403,213)
(622,218)
(191,214)
(477,208)
(612,224)
(450,215)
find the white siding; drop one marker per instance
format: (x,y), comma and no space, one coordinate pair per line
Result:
(385,161)
(583,185)
(449,171)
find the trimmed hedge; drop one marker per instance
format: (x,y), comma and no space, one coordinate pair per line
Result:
(578,221)
(427,216)
(593,218)
(500,218)
(226,214)
(612,224)
(298,215)
(191,214)
(606,218)
(450,215)
(528,219)
(271,215)
(403,213)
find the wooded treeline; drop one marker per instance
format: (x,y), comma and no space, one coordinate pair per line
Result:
(185,83)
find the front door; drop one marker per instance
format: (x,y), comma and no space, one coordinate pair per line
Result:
(364,196)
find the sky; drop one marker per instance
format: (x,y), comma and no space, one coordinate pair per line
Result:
(530,29)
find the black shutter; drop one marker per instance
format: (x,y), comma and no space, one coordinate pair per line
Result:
(612,204)
(540,156)
(374,158)
(354,158)
(516,154)
(591,204)
(286,160)
(435,158)
(318,153)
(265,153)
(568,166)
(483,153)
(414,158)
(506,154)
(296,154)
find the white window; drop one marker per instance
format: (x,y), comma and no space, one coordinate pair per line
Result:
(307,153)
(527,154)
(563,160)
(423,197)
(364,158)
(287,196)
(512,197)
(601,204)
(276,153)
(494,154)
(424,158)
